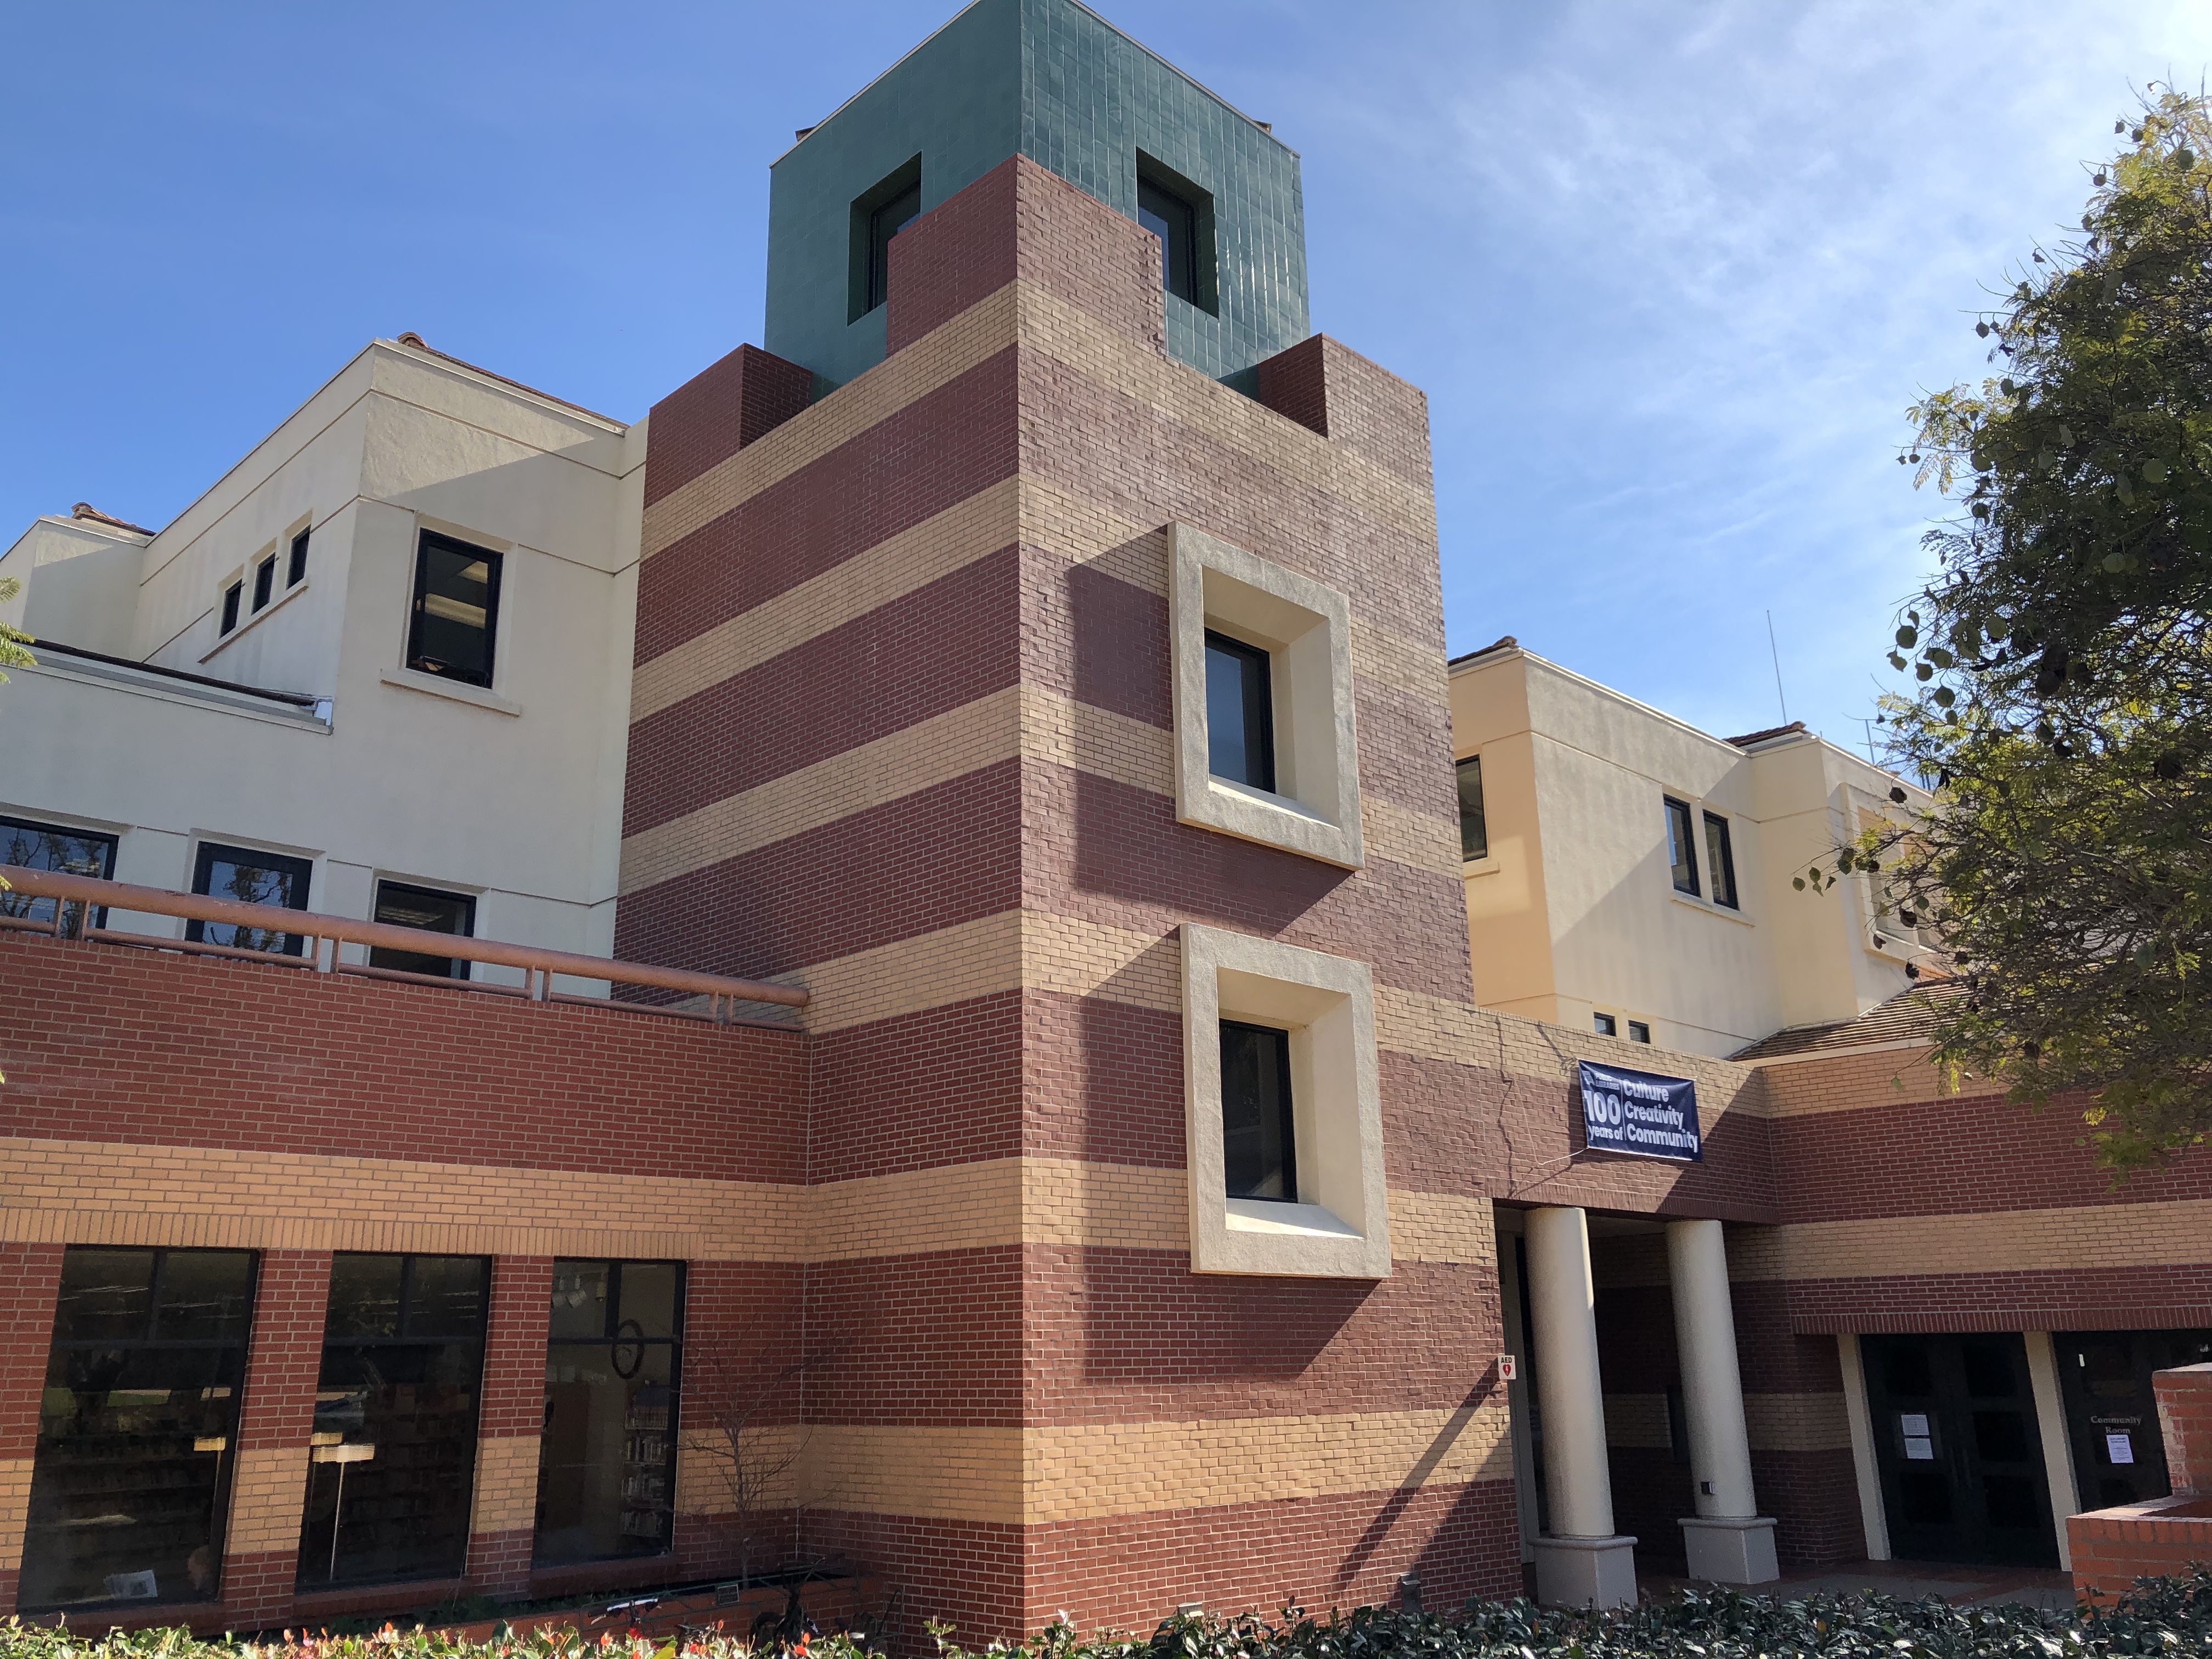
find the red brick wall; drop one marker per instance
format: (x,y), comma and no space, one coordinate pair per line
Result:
(291,1296)
(2112,1548)
(717,412)
(30,1283)
(2185,1419)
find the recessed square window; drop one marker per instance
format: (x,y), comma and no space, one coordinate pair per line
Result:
(1681,846)
(1284,1113)
(1639,1031)
(231,597)
(1181,215)
(1266,744)
(1474,828)
(399,904)
(1605,1025)
(264,582)
(1720,859)
(296,565)
(252,877)
(879,215)
(453,626)
(33,846)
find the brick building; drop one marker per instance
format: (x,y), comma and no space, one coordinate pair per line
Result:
(1042,1144)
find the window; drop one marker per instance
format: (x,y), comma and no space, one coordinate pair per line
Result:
(264,582)
(130,1480)
(1639,1031)
(1181,215)
(606,1462)
(295,567)
(879,215)
(1605,1025)
(251,877)
(1259,1141)
(1266,744)
(451,630)
(400,905)
(1720,859)
(1240,714)
(29,846)
(1284,1118)
(1473,831)
(1681,846)
(231,596)
(391,1462)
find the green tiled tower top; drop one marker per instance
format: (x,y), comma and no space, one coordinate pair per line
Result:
(1053,81)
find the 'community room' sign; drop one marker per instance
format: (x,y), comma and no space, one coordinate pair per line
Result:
(1640,1113)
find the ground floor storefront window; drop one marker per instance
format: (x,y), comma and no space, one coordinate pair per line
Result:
(606,1470)
(391,1462)
(137,1427)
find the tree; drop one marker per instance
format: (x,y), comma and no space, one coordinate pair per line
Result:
(12,640)
(2062,700)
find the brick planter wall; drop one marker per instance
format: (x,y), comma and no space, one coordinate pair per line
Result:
(2168,1536)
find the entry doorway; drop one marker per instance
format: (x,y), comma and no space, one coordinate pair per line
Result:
(1956,1448)
(2111,1415)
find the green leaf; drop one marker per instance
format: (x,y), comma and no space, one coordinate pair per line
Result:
(2154,470)
(1908,636)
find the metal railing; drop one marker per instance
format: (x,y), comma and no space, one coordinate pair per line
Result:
(76,898)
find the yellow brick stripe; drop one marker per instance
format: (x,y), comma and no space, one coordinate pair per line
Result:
(2090,1236)
(506,1496)
(1797,1422)
(268,1496)
(1082,1472)
(15,1510)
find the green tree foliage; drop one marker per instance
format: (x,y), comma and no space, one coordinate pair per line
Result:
(12,640)
(2061,693)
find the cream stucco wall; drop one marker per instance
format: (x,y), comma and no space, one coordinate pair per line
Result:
(1575,911)
(513,795)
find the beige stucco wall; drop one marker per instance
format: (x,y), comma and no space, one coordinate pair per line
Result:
(514,796)
(1575,911)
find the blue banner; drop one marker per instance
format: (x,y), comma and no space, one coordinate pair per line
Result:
(1641,1115)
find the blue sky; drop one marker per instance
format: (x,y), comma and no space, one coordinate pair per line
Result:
(1670,273)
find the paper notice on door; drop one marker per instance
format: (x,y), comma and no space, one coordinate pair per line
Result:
(1913,1423)
(2119,1449)
(1919,1448)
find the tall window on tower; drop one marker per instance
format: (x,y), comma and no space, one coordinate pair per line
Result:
(1240,712)
(454,623)
(1181,215)
(879,213)
(1258,1147)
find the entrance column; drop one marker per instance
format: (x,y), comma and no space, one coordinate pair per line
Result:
(1728,1540)
(1582,1562)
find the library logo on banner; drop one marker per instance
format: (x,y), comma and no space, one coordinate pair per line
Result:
(1640,1113)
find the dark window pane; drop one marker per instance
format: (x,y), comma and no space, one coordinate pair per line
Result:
(1605,1025)
(456,610)
(1639,1031)
(364,1296)
(392,1466)
(250,877)
(885,222)
(1256,1133)
(30,846)
(1720,859)
(2002,1437)
(401,906)
(204,1296)
(1989,1370)
(1240,721)
(1907,1369)
(131,1473)
(1681,847)
(606,1467)
(295,567)
(265,581)
(1473,831)
(648,1297)
(1172,219)
(2013,1503)
(231,596)
(1927,1496)
(446,1298)
(106,1296)
(580,1300)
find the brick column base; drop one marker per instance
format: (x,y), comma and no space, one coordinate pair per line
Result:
(503,1514)
(269,1483)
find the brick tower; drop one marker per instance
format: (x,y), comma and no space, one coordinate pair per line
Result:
(925,718)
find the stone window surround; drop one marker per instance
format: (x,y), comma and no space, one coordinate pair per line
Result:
(1306,629)
(1341,1228)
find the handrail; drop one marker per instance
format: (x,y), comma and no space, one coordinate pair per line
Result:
(538,965)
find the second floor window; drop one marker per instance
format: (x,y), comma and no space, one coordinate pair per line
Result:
(295,566)
(1682,847)
(264,582)
(401,905)
(31,846)
(1240,712)
(452,627)
(1474,829)
(1720,859)
(251,877)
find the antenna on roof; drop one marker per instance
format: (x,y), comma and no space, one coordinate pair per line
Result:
(1777,654)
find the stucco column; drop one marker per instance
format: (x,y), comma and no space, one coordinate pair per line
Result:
(1582,1562)
(1728,1540)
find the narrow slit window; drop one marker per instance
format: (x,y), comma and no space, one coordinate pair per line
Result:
(1175,221)
(264,582)
(1720,859)
(1259,1153)
(1681,846)
(231,597)
(454,624)
(1474,829)
(399,904)
(1240,714)
(295,564)
(885,222)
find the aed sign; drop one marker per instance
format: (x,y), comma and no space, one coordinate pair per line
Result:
(1640,1113)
